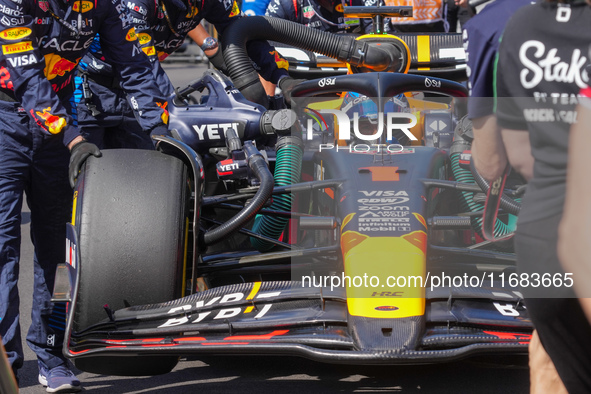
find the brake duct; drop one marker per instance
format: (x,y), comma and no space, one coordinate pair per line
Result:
(345,48)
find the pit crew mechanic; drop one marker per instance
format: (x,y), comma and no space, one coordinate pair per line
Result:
(161,28)
(325,15)
(42,42)
(481,41)
(542,55)
(104,113)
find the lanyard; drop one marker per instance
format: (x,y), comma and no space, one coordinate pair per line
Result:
(168,18)
(66,24)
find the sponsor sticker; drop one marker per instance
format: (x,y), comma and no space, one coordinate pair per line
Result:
(144,38)
(281,62)
(54,123)
(149,50)
(15,33)
(83,6)
(43,5)
(131,36)
(56,65)
(235,10)
(164,116)
(17,48)
(192,12)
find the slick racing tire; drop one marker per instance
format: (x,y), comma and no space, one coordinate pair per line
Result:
(130,215)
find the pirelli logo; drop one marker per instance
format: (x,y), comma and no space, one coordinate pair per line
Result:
(150,51)
(25,46)
(15,33)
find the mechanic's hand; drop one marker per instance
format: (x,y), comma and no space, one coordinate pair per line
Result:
(78,155)
(217,59)
(286,84)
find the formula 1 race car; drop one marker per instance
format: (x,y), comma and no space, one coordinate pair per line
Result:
(346,229)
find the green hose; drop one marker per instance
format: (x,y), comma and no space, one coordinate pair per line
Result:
(465,176)
(288,168)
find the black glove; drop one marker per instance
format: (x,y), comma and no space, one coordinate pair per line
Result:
(78,155)
(218,61)
(286,84)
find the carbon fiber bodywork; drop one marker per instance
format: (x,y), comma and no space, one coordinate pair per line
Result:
(241,301)
(310,322)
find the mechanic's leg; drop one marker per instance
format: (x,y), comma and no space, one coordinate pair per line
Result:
(560,322)
(14,162)
(119,128)
(49,198)
(91,128)
(542,372)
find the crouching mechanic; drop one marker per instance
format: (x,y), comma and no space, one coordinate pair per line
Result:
(161,28)
(42,42)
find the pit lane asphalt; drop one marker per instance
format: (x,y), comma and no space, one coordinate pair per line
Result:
(276,374)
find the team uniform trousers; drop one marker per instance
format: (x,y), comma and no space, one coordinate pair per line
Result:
(34,164)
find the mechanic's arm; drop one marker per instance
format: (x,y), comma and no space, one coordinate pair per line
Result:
(574,248)
(267,62)
(120,47)
(518,150)
(199,35)
(276,9)
(509,111)
(142,23)
(210,47)
(488,150)
(26,81)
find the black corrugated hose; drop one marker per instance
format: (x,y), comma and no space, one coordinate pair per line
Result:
(259,167)
(342,47)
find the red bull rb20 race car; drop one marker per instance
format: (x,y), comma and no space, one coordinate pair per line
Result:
(346,229)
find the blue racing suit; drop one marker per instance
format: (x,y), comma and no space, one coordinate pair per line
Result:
(161,27)
(42,42)
(481,36)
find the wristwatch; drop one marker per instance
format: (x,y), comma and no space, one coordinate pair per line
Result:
(209,43)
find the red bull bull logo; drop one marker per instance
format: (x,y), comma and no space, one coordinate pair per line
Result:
(55,65)
(162,56)
(25,46)
(53,123)
(281,62)
(339,8)
(15,33)
(164,111)
(192,12)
